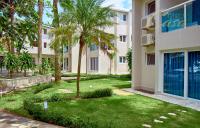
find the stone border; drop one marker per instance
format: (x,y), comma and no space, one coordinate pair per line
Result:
(23,82)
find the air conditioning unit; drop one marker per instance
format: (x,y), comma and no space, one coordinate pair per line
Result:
(148,39)
(148,22)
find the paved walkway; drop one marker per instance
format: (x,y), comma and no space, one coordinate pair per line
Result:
(194,104)
(13,121)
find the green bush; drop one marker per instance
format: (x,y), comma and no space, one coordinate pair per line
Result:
(98,93)
(58,97)
(42,87)
(37,111)
(26,62)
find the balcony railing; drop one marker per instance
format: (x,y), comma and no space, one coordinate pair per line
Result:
(181,16)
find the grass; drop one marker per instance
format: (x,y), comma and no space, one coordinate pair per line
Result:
(116,111)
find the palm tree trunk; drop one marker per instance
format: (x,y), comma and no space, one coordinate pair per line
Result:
(40,13)
(81,43)
(56,48)
(12,12)
(57,65)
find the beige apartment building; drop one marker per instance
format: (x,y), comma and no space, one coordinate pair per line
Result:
(166,47)
(94,60)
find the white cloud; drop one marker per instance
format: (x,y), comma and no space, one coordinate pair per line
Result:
(118,3)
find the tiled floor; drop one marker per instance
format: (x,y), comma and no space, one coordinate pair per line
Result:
(13,121)
(194,104)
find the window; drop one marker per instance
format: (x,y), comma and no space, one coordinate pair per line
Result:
(123,38)
(45,44)
(150,59)
(94,63)
(93,47)
(35,44)
(151,7)
(66,49)
(122,59)
(66,63)
(45,31)
(123,17)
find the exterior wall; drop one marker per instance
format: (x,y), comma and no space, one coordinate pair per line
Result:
(143,74)
(150,78)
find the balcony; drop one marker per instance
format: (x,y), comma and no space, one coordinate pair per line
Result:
(148,39)
(181,16)
(148,22)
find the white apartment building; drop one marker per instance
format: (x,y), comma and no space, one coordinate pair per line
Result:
(166,47)
(94,60)
(47,52)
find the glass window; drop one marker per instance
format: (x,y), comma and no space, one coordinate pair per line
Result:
(193,13)
(150,59)
(123,38)
(123,17)
(151,7)
(122,59)
(45,44)
(173,19)
(93,47)
(94,63)
(194,75)
(174,73)
(66,49)
(35,44)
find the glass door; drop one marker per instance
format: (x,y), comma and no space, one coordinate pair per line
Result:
(174,73)
(194,75)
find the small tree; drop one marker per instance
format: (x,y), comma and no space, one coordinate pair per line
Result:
(45,66)
(26,62)
(11,62)
(129,59)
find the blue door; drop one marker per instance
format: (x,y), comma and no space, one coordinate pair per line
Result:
(174,73)
(194,75)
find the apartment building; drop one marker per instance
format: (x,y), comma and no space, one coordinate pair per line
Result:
(166,47)
(47,52)
(94,60)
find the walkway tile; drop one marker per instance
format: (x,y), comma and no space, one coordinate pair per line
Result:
(146,126)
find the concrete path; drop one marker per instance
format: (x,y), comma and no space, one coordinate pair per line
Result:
(13,121)
(194,104)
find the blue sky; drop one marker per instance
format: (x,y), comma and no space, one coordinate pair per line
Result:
(121,4)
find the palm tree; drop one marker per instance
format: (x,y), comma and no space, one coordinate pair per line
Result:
(56,44)
(40,14)
(88,18)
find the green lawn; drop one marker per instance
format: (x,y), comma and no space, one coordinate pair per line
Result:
(116,111)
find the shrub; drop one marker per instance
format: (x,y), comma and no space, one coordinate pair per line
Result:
(58,97)
(40,87)
(26,62)
(11,62)
(98,93)
(129,59)
(54,117)
(45,67)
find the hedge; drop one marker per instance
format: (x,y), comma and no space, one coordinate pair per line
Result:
(98,93)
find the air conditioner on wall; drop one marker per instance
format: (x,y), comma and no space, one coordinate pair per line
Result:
(148,22)
(148,39)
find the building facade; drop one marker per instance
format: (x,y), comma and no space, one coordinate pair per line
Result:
(94,60)
(47,52)
(166,47)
